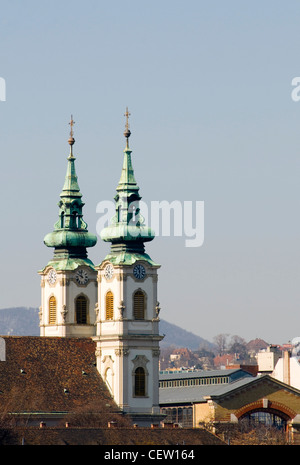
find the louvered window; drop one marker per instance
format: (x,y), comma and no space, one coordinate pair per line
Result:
(109,306)
(140,382)
(52,310)
(81,310)
(139,305)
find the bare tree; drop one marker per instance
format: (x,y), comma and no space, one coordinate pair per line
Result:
(221,342)
(238,346)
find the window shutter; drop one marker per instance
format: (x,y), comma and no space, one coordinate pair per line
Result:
(139,306)
(140,382)
(52,310)
(81,310)
(109,306)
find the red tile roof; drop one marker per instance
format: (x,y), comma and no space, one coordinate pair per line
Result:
(33,379)
(44,374)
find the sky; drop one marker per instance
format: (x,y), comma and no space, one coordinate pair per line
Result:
(213,120)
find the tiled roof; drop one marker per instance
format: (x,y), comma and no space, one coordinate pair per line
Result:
(33,378)
(113,436)
(52,375)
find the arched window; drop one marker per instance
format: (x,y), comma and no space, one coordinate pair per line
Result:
(267,417)
(140,382)
(139,305)
(74,217)
(52,310)
(109,306)
(81,310)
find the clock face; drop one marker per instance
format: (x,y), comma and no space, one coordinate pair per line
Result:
(109,271)
(52,276)
(139,271)
(82,277)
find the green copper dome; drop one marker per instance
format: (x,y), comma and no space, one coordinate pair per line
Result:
(70,237)
(127,232)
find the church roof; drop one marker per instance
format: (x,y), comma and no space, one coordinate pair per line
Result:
(110,436)
(51,375)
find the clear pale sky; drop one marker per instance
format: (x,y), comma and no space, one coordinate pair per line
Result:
(208,86)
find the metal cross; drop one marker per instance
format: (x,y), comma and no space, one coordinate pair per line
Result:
(71,123)
(127,114)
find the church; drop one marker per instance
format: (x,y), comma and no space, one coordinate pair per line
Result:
(115,303)
(92,376)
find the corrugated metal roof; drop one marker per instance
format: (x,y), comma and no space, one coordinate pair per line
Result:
(167,376)
(191,394)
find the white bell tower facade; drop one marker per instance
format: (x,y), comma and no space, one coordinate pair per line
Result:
(127,333)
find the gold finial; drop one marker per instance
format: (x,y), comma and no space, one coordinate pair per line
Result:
(127,130)
(71,139)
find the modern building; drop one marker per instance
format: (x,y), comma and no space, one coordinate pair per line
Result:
(287,368)
(267,358)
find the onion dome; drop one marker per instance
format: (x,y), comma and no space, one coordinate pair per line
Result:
(127,232)
(70,237)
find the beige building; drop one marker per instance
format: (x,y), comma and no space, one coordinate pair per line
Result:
(267,359)
(228,397)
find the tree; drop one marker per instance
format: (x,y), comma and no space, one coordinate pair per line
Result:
(238,346)
(221,342)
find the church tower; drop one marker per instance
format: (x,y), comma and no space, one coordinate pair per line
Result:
(69,281)
(127,334)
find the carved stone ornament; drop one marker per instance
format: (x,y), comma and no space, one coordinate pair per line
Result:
(121,309)
(155,352)
(97,311)
(98,352)
(140,361)
(157,309)
(64,313)
(121,352)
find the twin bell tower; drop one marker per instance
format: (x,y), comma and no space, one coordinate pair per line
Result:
(115,303)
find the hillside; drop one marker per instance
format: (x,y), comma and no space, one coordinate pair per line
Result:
(178,337)
(19,321)
(24,321)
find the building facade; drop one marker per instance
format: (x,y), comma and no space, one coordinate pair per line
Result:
(225,398)
(116,302)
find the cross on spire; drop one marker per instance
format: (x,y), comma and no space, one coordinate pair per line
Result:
(127,130)
(71,138)
(71,123)
(127,114)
